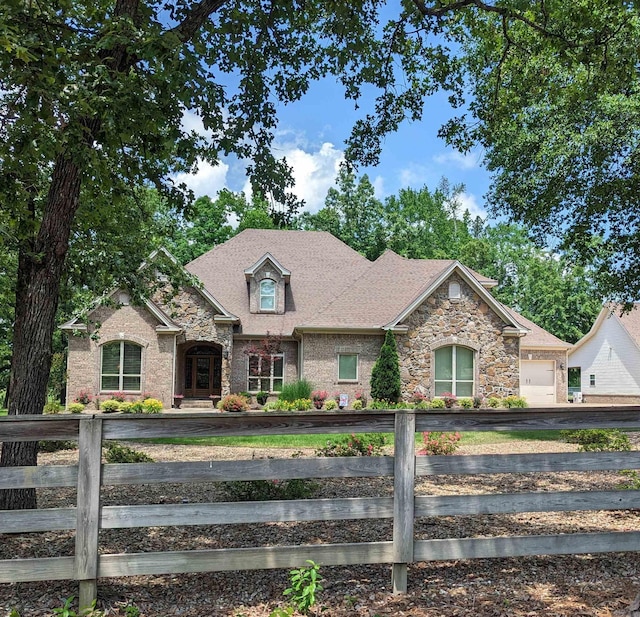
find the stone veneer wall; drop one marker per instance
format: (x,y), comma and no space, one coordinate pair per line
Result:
(128,323)
(196,316)
(321,361)
(560,358)
(468,321)
(239,363)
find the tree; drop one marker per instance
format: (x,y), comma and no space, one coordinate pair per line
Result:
(385,374)
(557,109)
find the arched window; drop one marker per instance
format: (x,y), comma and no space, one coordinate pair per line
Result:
(121,367)
(454,371)
(267,295)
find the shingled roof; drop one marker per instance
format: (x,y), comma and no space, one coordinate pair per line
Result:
(332,287)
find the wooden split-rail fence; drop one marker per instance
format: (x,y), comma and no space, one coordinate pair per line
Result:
(90,474)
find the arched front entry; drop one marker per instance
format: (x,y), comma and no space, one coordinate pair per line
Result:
(203,371)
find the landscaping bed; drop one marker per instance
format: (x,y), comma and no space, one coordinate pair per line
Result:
(585,585)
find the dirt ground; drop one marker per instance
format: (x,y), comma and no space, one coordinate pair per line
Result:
(585,585)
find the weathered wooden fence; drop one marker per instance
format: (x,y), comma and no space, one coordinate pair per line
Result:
(88,517)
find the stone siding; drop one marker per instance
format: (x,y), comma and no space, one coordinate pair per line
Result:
(196,317)
(321,361)
(469,322)
(127,323)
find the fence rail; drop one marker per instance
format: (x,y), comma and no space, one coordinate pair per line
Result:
(89,516)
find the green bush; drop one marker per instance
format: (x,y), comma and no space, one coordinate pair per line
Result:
(330,404)
(598,440)
(116,453)
(437,403)
(302,404)
(437,443)
(262,397)
(385,375)
(110,406)
(52,406)
(152,405)
(494,402)
(514,402)
(271,406)
(126,407)
(367,444)
(357,405)
(266,490)
(300,389)
(466,403)
(423,404)
(56,446)
(75,407)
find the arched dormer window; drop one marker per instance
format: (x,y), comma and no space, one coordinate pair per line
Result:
(121,367)
(267,295)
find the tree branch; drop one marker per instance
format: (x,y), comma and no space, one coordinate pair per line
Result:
(195,18)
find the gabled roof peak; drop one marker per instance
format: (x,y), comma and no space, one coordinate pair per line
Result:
(251,271)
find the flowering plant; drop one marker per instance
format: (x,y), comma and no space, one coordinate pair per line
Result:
(439,443)
(449,399)
(319,397)
(177,396)
(83,397)
(361,396)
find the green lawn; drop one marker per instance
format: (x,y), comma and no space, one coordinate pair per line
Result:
(318,441)
(3,412)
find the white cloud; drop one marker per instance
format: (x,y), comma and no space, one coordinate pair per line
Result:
(208,180)
(453,158)
(313,172)
(468,201)
(378,187)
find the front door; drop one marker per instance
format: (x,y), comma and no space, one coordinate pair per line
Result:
(203,372)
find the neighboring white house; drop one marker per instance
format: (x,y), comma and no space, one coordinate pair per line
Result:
(607,359)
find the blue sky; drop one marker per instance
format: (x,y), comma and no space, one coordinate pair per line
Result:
(311,135)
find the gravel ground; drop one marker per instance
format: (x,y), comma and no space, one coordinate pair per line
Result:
(584,585)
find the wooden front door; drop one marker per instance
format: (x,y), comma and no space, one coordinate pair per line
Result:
(203,372)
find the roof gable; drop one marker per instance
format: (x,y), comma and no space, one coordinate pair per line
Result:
(268,257)
(630,323)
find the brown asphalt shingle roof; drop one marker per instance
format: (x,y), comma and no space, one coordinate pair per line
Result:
(332,286)
(631,322)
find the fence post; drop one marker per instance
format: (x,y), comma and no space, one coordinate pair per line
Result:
(88,509)
(403,497)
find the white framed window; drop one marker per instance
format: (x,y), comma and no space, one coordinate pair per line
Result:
(454,290)
(265,373)
(121,367)
(592,381)
(454,370)
(348,367)
(267,295)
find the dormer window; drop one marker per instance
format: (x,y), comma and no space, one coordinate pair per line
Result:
(454,290)
(267,295)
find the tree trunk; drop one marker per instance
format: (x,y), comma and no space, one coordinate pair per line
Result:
(40,267)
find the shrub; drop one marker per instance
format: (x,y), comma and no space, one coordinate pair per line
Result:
(449,399)
(265,490)
(246,395)
(262,397)
(126,407)
(319,397)
(271,406)
(514,402)
(598,440)
(437,443)
(357,405)
(437,403)
(494,402)
(152,405)
(305,582)
(83,397)
(110,405)
(385,375)
(424,404)
(121,397)
(302,404)
(76,407)
(52,406)
(361,396)
(233,402)
(330,404)
(477,402)
(367,444)
(466,403)
(56,446)
(116,453)
(136,407)
(295,390)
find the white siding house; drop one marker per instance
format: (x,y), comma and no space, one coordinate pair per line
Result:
(608,358)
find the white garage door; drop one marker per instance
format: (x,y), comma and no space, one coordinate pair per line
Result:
(537,381)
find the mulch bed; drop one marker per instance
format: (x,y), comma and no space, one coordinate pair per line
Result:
(582,585)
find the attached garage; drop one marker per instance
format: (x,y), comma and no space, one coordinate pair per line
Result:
(537,381)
